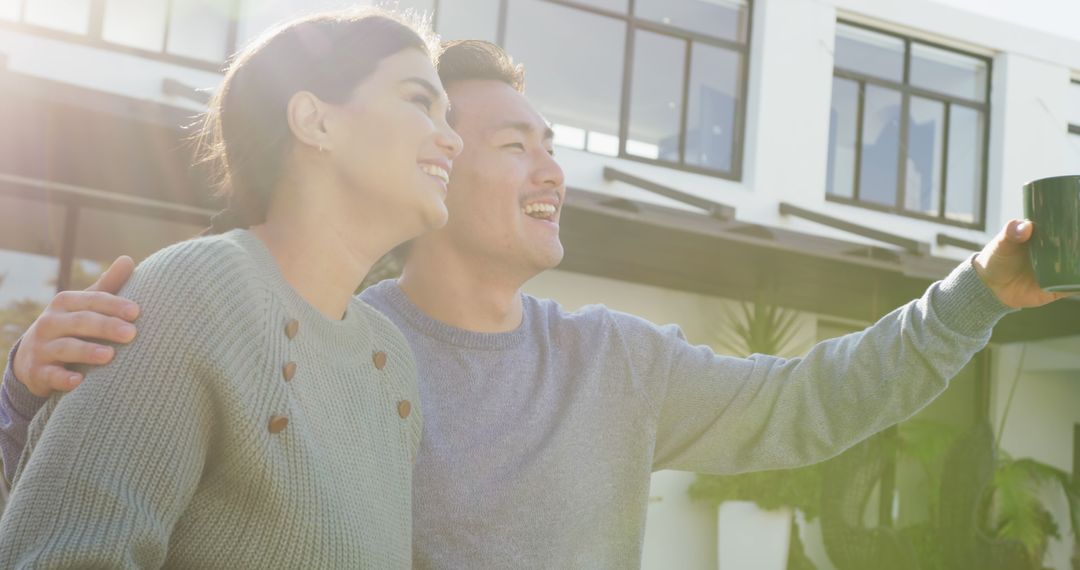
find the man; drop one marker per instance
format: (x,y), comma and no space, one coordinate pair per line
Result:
(542,428)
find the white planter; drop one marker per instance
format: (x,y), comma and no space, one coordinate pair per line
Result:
(749,538)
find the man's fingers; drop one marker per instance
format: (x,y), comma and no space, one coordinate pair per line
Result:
(91,325)
(115,276)
(57,379)
(1018,231)
(96,302)
(69,350)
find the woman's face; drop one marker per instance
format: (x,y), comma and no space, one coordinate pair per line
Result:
(392,147)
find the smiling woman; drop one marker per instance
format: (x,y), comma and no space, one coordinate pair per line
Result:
(242,397)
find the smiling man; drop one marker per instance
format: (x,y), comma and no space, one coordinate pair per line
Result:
(543,427)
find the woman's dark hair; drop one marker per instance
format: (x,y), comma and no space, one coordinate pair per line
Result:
(245,135)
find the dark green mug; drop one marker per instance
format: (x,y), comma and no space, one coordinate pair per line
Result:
(1053,205)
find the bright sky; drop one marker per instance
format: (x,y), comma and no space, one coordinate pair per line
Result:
(1059,17)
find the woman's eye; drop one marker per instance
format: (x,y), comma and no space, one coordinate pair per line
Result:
(424,101)
(517,146)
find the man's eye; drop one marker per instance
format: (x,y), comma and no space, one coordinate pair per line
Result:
(518,146)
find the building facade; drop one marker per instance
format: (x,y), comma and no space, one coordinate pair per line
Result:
(842,154)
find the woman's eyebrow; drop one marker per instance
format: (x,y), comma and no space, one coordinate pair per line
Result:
(427,85)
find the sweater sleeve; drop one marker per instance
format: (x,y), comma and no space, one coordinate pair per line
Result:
(728,415)
(17,407)
(110,467)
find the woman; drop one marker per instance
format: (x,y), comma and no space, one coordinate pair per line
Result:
(263,417)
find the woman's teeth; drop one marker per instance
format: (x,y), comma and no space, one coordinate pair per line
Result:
(436,171)
(540,211)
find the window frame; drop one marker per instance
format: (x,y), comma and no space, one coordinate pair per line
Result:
(94,38)
(907,90)
(1074,128)
(634,23)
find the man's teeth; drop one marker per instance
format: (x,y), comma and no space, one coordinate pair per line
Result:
(436,171)
(539,210)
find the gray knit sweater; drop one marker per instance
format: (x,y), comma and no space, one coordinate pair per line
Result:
(201,446)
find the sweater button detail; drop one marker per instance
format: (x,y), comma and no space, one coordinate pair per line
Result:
(289,371)
(292,328)
(278,423)
(379,358)
(404,408)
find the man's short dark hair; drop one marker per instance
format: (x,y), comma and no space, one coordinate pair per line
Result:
(462,60)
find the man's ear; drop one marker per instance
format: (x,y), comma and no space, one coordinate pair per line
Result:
(306,114)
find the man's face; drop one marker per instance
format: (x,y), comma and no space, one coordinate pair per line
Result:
(506,191)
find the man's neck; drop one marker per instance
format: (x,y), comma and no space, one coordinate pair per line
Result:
(463,293)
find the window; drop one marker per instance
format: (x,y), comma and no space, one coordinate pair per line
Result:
(196,32)
(908,127)
(1073,151)
(658,81)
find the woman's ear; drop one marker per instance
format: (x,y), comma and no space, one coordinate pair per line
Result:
(306,114)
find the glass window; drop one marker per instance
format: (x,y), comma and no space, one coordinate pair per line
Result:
(135,23)
(964,182)
(926,147)
(1074,103)
(581,92)
(943,155)
(656,96)
(199,29)
(65,15)
(719,18)
(713,99)
(948,72)
(880,146)
(30,236)
(870,53)
(468,19)
(9,9)
(843,124)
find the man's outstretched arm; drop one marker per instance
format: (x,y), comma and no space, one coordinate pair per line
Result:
(728,415)
(62,336)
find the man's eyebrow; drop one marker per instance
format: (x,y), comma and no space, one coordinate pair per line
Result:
(525,127)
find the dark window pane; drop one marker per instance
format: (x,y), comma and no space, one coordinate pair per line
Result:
(948,72)
(963,184)
(67,15)
(714,95)
(720,18)
(870,53)
(926,143)
(135,23)
(579,92)
(656,96)
(469,19)
(1074,103)
(880,146)
(843,124)
(199,29)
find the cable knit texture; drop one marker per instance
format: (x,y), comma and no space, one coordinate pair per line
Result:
(165,457)
(539,443)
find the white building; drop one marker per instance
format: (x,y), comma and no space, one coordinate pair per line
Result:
(844,153)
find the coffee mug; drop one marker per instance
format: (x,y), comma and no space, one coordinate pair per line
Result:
(1053,205)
